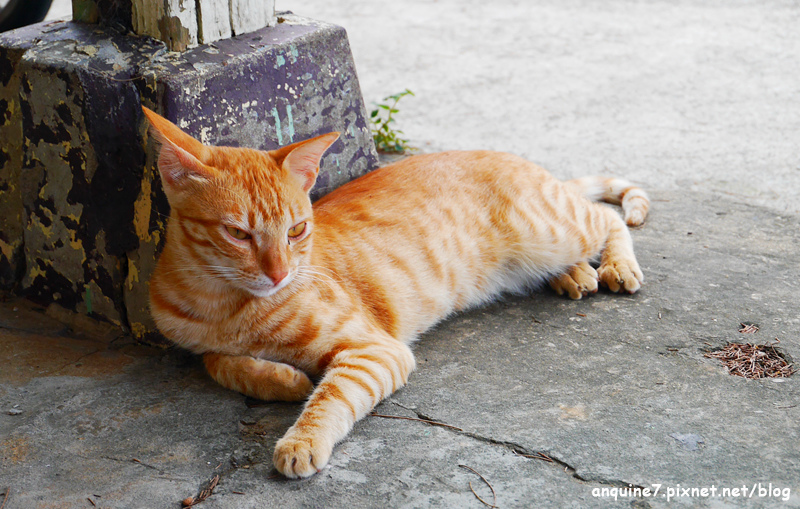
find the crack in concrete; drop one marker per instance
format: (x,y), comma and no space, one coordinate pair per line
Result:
(520,450)
(515,448)
(128,461)
(75,361)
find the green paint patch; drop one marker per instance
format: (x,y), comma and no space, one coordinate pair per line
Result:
(277,118)
(290,122)
(87,299)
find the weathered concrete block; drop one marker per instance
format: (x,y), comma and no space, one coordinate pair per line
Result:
(82,211)
(51,243)
(12,225)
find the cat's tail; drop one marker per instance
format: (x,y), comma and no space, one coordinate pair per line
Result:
(633,199)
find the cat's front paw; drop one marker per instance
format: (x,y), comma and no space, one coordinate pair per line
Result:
(621,275)
(298,455)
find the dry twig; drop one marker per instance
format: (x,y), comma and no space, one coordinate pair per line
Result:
(748,328)
(5,497)
(494,495)
(753,361)
(538,456)
(204,494)
(434,423)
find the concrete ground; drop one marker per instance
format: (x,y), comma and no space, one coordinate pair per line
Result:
(693,100)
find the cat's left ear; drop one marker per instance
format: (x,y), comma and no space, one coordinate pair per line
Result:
(302,159)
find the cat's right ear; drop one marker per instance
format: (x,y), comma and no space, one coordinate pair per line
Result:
(302,159)
(180,160)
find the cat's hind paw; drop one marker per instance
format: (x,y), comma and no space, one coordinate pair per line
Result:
(621,275)
(298,456)
(578,281)
(296,385)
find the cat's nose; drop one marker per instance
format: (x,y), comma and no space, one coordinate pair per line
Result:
(277,276)
(274,265)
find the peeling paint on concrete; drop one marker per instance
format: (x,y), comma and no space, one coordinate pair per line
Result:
(57,173)
(11,217)
(278,131)
(290,122)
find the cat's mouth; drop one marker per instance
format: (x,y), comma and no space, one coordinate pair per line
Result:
(266,288)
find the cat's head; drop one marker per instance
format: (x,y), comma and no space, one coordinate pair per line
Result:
(243,217)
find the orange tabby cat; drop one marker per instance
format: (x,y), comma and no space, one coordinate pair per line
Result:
(394,252)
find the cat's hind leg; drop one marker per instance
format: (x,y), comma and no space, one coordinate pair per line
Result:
(258,378)
(578,281)
(619,271)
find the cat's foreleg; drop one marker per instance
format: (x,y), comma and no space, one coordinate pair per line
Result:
(357,378)
(619,270)
(258,378)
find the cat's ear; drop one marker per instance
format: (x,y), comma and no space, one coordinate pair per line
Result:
(302,159)
(180,160)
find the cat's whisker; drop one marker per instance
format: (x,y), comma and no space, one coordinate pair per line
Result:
(213,273)
(318,274)
(322,278)
(199,268)
(309,278)
(321,271)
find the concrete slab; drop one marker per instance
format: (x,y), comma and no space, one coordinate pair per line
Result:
(689,99)
(615,390)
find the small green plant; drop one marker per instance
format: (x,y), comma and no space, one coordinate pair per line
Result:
(387,139)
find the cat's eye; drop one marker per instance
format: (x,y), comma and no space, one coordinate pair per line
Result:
(297,230)
(236,233)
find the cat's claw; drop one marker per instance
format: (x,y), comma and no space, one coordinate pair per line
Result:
(621,275)
(299,456)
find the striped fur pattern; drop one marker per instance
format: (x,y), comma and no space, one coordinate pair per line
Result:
(394,252)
